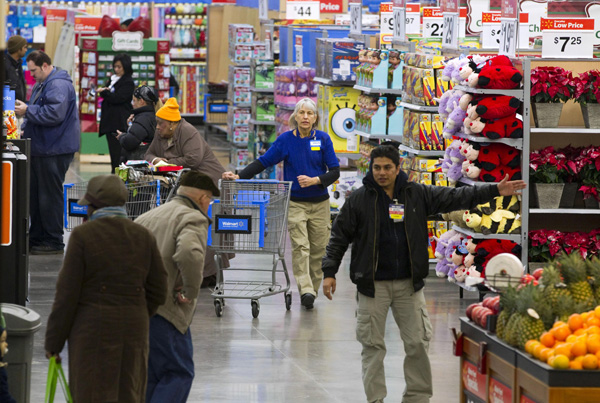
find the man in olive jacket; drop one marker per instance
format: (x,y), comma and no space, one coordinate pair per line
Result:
(181,230)
(386,221)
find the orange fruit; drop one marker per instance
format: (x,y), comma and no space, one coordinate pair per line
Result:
(590,361)
(546,353)
(575,322)
(593,343)
(537,350)
(561,332)
(585,316)
(530,345)
(598,355)
(558,323)
(547,339)
(579,348)
(560,362)
(575,365)
(593,321)
(580,331)
(564,349)
(572,338)
(593,330)
(597,311)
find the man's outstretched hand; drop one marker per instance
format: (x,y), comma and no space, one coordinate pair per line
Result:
(329,287)
(509,188)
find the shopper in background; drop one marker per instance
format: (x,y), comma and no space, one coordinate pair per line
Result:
(181,229)
(111,283)
(386,223)
(52,124)
(310,163)
(116,105)
(142,124)
(16,48)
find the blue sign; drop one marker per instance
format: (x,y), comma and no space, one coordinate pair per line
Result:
(233,224)
(75,210)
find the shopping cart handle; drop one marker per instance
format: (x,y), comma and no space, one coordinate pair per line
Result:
(255,181)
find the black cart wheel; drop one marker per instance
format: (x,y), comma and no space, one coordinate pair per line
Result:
(255,308)
(218,307)
(288,301)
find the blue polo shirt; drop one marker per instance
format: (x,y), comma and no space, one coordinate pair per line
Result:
(311,156)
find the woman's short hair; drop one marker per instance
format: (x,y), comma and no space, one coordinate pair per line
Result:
(308,103)
(125,60)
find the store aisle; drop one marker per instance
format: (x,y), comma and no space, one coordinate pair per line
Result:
(295,356)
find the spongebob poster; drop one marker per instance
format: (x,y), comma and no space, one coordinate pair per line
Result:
(339,106)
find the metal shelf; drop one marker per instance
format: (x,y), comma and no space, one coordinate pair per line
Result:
(466,287)
(217,126)
(262,123)
(328,81)
(564,130)
(477,235)
(516,143)
(564,211)
(514,93)
(192,115)
(267,90)
(423,108)
(471,182)
(378,136)
(351,156)
(370,90)
(239,145)
(421,152)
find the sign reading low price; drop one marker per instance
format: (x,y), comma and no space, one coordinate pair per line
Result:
(490,34)
(433,22)
(473,381)
(302,10)
(413,18)
(386,27)
(571,38)
(499,392)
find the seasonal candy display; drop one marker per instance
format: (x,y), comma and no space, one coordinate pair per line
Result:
(294,83)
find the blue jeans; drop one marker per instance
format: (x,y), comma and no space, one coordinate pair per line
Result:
(170,363)
(46,200)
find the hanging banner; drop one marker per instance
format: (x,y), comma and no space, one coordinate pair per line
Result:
(568,38)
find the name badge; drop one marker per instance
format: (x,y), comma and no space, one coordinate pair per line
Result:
(397,212)
(315,145)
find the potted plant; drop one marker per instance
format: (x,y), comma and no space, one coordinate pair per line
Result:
(587,94)
(544,245)
(550,88)
(548,173)
(588,164)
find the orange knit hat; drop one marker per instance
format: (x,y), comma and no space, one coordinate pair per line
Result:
(170,111)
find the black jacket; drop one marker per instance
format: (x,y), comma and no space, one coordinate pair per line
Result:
(141,131)
(14,77)
(116,106)
(358,224)
(5,396)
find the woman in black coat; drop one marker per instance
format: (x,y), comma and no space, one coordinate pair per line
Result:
(116,105)
(142,124)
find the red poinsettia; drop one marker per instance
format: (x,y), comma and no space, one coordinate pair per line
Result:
(554,84)
(588,165)
(548,166)
(544,245)
(588,89)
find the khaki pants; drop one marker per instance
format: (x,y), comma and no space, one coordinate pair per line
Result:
(309,225)
(410,313)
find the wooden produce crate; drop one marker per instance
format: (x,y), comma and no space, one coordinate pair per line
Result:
(537,382)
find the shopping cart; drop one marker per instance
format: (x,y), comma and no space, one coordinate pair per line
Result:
(250,218)
(142,196)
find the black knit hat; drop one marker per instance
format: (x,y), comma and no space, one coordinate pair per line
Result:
(15,43)
(198,180)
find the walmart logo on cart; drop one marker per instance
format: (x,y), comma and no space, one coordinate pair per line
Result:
(234,224)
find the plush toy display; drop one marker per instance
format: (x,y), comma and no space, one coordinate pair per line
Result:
(496,73)
(507,127)
(501,203)
(473,219)
(493,107)
(444,266)
(476,62)
(499,222)
(491,163)
(488,248)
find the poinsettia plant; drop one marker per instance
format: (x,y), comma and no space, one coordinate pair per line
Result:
(588,164)
(548,166)
(589,90)
(550,84)
(544,245)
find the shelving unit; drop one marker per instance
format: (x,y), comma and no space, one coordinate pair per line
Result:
(478,235)
(370,90)
(421,108)
(423,153)
(565,211)
(471,182)
(265,123)
(513,93)
(327,81)
(516,143)
(378,136)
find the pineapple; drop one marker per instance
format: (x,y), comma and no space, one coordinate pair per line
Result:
(593,266)
(531,325)
(564,308)
(507,303)
(554,289)
(573,268)
(512,328)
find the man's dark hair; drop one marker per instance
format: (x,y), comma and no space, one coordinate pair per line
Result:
(125,60)
(39,58)
(386,151)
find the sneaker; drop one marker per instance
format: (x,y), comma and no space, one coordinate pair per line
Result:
(45,250)
(307,301)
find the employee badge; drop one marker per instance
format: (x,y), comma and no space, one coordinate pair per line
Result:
(397,212)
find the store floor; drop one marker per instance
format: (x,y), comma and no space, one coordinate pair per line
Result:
(282,356)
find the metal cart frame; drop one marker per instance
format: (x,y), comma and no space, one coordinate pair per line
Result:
(250,218)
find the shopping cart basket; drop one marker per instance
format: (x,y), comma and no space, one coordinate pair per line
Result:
(250,218)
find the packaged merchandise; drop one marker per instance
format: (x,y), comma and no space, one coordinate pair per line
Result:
(282,117)
(262,74)
(263,107)
(239,135)
(238,116)
(294,83)
(239,76)
(339,110)
(340,58)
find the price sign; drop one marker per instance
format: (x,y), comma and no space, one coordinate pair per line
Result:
(299,51)
(263,10)
(450,36)
(356,18)
(490,34)
(508,37)
(400,23)
(571,38)
(433,22)
(449,6)
(303,10)
(523,30)
(413,18)
(386,27)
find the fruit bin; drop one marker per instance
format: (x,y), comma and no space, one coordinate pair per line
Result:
(493,371)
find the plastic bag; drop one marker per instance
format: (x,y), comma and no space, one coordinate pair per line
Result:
(56,374)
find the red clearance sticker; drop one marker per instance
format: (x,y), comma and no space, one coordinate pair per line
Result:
(473,381)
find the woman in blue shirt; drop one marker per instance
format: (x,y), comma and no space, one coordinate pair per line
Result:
(311,165)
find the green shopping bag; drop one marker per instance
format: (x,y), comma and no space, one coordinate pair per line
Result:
(56,374)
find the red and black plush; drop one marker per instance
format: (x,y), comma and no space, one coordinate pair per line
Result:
(491,163)
(498,77)
(488,248)
(494,107)
(493,129)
